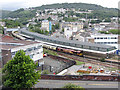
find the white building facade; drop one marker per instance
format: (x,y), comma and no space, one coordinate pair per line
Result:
(35,51)
(108,39)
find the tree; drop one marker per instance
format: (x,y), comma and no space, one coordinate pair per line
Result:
(20,72)
(46,32)
(63,30)
(107,20)
(102,59)
(70,86)
(49,19)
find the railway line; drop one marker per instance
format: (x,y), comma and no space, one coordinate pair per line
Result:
(87,60)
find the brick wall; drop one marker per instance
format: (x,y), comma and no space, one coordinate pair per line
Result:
(6,56)
(82,77)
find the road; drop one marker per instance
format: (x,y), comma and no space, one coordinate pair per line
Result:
(84,84)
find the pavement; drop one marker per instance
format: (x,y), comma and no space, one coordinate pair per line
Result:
(85,84)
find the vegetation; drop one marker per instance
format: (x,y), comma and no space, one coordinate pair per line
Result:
(70,86)
(98,12)
(45,72)
(11,23)
(1,29)
(3,13)
(63,30)
(113,31)
(49,19)
(78,62)
(21,13)
(102,59)
(0,76)
(38,30)
(82,6)
(70,19)
(107,20)
(56,26)
(20,72)
(49,52)
(95,21)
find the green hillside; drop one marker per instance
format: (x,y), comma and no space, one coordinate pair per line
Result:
(99,11)
(4,13)
(76,6)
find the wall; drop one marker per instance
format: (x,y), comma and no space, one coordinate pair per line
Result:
(6,56)
(82,77)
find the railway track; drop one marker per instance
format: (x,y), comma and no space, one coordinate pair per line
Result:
(87,60)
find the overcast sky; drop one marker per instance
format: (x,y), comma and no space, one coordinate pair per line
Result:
(15,4)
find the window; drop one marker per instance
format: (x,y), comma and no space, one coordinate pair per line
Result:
(108,37)
(94,48)
(85,46)
(39,47)
(13,53)
(105,42)
(105,37)
(31,56)
(103,49)
(108,42)
(37,52)
(29,49)
(35,48)
(78,45)
(113,37)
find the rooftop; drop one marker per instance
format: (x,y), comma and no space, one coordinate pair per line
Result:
(69,41)
(8,42)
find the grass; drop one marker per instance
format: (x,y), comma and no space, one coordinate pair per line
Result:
(50,52)
(113,69)
(79,63)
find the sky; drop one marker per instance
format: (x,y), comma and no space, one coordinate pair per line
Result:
(16,4)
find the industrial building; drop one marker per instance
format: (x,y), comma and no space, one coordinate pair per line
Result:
(9,47)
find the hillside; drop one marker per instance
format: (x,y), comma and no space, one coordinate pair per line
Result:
(21,13)
(4,13)
(99,11)
(76,6)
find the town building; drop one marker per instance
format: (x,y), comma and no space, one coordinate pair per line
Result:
(2,23)
(9,47)
(46,25)
(72,25)
(68,32)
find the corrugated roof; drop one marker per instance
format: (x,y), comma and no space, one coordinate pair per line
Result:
(69,41)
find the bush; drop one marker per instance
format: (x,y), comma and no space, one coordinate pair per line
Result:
(102,59)
(70,86)
(45,72)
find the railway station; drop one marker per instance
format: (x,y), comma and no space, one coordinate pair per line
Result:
(90,49)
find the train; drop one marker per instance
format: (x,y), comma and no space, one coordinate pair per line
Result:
(22,36)
(64,50)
